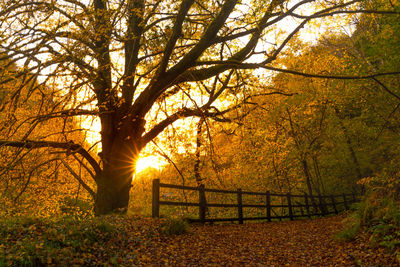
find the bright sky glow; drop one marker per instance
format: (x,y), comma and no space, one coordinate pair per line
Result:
(146,162)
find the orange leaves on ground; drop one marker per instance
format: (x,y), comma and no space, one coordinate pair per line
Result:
(123,241)
(297,243)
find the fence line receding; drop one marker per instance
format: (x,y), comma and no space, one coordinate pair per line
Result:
(291,205)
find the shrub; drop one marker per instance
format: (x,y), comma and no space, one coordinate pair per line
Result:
(379,211)
(351,229)
(75,207)
(175,226)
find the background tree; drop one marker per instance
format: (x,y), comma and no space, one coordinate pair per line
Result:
(329,133)
(31,176)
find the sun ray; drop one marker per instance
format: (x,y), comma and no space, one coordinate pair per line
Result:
(144,163)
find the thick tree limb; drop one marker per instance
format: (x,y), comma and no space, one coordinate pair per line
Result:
(205,73)
(132,46)
(206,40)
(221,39)
(70,147)
(176,32)
(158,85)
(157,129)
(239,65)
(202,112)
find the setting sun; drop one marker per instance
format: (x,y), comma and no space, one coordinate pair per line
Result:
(149,162)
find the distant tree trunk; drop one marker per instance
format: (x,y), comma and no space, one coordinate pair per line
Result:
(308,181)
(197,174)
(302,159)
(318,174)
(349,145)
(307,176)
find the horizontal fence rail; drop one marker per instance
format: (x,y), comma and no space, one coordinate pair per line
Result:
(291,205)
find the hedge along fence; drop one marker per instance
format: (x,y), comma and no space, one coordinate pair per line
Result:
(291,206)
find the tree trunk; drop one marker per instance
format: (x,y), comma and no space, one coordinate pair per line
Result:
(349,146)
(121,146)
(112,191)
(308,182)
(197,162)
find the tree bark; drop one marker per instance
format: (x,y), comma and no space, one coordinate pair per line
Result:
(122,144)
(112,192)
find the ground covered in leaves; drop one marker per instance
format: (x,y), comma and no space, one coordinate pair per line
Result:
(121,241)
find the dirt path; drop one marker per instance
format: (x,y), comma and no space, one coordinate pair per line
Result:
(298,243)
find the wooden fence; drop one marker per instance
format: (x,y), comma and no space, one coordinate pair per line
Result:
(295,206)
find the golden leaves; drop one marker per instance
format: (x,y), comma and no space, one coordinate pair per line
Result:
(124,241)
(298,243)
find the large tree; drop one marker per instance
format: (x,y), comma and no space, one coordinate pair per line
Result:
(136,57)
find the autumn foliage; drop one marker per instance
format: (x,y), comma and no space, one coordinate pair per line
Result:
(289,97)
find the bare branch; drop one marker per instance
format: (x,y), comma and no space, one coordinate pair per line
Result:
(69,147)
(67,113)
(79,179)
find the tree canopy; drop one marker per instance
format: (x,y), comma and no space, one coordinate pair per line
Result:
(141,65)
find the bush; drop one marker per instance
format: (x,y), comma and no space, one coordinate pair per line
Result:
(175,226)
(75,207)
(379,211)
(351,229)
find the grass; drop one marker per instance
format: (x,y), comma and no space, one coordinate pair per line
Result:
(175,226)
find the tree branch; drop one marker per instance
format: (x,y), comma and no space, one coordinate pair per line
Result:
(79,179)
(132,46)
(70,147)
(158,84)
(157,129)
(67,113)
(176,32)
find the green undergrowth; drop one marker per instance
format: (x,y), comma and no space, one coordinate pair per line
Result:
(378,214)
(175,226)
(380,219)
(28,241)
(75,241)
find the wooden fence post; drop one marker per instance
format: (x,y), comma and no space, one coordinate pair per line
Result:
(289,201)
(268,204)
(202,204)
(346,206)
(156,198)
(307,205)
(240,205)
(334,204)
